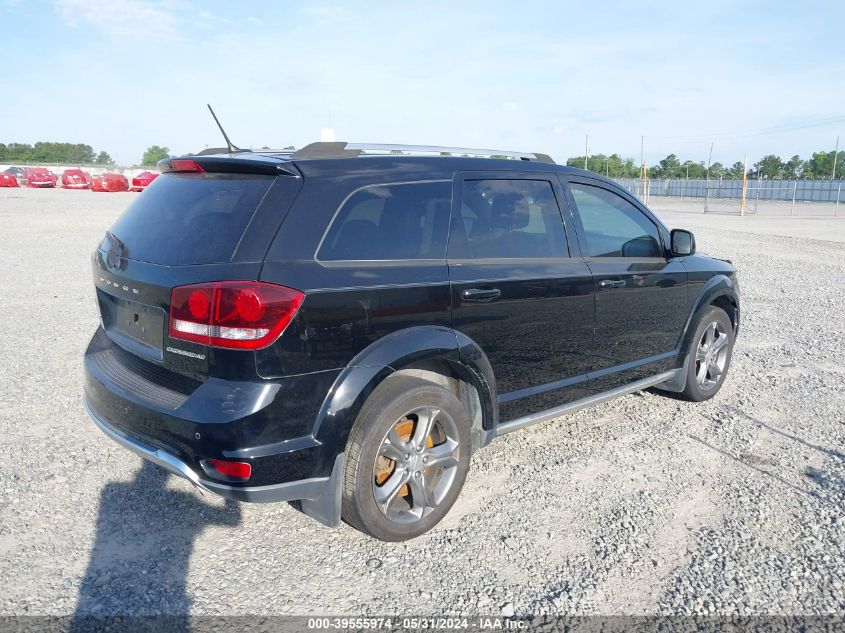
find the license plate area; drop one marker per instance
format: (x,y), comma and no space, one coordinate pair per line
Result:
(133,325)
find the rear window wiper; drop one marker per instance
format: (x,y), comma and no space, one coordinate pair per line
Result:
(116,243)
(117,250)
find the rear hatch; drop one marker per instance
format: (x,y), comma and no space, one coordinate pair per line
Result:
(203,220)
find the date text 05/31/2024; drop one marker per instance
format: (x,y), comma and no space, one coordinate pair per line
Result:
(490,623)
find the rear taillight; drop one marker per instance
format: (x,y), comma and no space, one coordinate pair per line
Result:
(233,314)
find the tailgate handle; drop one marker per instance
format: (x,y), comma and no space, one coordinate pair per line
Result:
(481,294)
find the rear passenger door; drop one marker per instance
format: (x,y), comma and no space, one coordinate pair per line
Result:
(380,267)
(516,290)
(640,292)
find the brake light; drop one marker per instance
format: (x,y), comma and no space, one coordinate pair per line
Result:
(236,470)
(232,314)
(185,164)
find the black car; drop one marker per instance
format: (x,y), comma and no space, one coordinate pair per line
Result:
(346,324)
(17,172)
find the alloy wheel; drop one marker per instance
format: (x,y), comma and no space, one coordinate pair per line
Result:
(416,464)
(711,356)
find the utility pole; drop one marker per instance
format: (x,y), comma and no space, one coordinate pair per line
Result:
(744,185)
(586,151)
(642,149)
(707,176)
(642,162)
(709,158)
(794,191)
(835,155)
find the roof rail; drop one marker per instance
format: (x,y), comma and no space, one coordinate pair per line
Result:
(348,150)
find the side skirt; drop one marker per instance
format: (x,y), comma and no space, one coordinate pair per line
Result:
(570,407)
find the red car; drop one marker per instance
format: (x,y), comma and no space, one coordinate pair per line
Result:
(143,180)
(39,177)
(8,179)
(109,182)
(76,179)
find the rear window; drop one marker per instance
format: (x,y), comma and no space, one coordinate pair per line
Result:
(389,222)
(190,218)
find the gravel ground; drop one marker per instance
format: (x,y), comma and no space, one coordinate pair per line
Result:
(827,222)
(643,505)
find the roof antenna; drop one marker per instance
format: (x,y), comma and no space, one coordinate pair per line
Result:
(232,147)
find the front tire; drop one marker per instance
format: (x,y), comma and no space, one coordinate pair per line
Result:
(406,459)
(709,355)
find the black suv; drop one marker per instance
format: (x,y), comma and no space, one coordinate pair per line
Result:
(345,325)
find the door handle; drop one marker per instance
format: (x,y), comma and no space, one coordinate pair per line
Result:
(481,294)
(611,283)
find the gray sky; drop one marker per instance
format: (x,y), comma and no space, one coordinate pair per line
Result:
(751,77)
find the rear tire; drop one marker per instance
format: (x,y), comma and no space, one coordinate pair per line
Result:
(709,355)
(406,459)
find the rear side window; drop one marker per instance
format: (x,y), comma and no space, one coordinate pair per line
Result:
(190,218)
(388,222)
(507,219)
(613,227)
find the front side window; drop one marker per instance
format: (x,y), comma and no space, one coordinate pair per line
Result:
(507,219)
(613,227)
(389,222)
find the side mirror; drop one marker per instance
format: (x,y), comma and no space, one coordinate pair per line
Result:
(683,242)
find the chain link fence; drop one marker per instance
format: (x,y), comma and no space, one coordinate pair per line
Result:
(763,196)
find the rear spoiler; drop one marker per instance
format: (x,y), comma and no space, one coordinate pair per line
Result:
(226,165)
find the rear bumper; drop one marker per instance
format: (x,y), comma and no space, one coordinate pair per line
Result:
(266,422)
(288,491)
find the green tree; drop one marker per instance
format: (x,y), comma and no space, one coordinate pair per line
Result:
(154,154)
(669,167)
(793,167)
(575,161)
(103,158)
(49,152)
(631,168)
(18,152)
(693,170)
(735,170)
(619,167)
(82,153)
(820,165)
(716,170)
(770,166)
(614,165)
(598,163)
